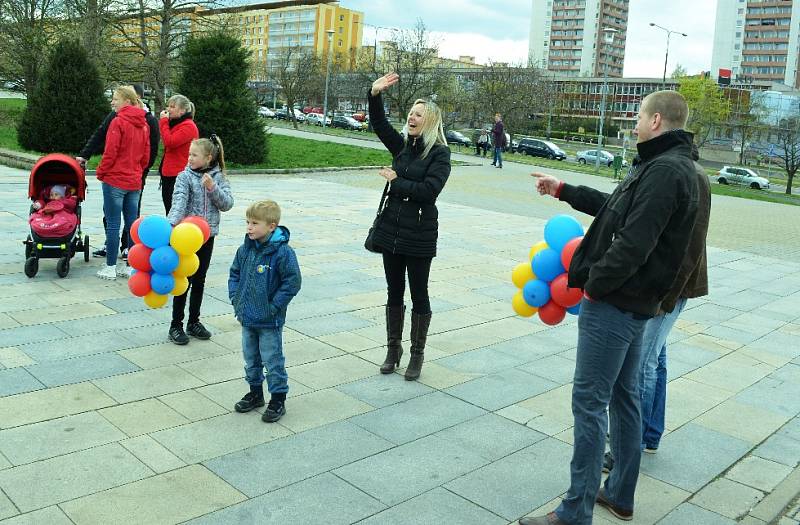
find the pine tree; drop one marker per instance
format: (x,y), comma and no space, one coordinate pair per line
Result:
(214,76)
(67,104)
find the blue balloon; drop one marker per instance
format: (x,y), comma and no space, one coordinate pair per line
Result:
(546,264)
(558,231)
(162,283)
(154,231)
(574,310)
(164,260)
(536,293)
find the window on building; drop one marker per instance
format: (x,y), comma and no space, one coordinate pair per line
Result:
(341,30)
(340,43)
(341,18)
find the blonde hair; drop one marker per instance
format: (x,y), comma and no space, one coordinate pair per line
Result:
(212,146)
(267,211)
(129,94)
(432,131)
(182,102)
(670,105)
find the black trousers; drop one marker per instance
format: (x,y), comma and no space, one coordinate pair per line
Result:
(197,284)
(167,188)
(123,242)
(419,270)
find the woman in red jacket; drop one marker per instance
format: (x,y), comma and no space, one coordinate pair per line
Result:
(178,130)
(125,157)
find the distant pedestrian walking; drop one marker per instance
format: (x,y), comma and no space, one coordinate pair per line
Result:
(499,140)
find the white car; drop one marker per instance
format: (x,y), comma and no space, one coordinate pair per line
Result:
(316,118)
(264,111)
(742,176)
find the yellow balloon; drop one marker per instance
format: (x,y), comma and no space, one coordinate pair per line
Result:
(181,285)
(521,274)
(187,265)
(155,300)
(536,248)
(521,307)
(186,238)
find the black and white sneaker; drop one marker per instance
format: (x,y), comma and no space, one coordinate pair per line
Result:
(250,401)
(275,410)
(196,329)
(99,253)
(177,335)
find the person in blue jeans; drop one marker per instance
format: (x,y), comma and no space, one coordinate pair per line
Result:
(625,264)
(263,278)
(499,140)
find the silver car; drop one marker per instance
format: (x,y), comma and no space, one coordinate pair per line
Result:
(742,176)
(589,156)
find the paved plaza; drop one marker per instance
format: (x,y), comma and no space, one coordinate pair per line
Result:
(103,421)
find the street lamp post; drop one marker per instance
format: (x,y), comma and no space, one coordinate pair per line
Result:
(608,37)
(666,55)
(327,78)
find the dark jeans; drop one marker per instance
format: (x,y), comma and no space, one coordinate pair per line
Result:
(124,240)
(419,269)
(498,156)
(197,284)
(607,371)
(167,188)
(117,203)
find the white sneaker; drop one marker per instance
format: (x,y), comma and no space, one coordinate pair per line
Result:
(108,272)
(123,270)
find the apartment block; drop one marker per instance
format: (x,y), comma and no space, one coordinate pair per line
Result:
(567,36)
(758,39)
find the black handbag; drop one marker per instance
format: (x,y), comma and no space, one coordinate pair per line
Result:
(369,243)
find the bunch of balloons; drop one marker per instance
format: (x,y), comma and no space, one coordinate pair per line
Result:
(164,256)
(542,281)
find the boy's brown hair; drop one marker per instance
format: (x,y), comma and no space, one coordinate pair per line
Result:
(267,211)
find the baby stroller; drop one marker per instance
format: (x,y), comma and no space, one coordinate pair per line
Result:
(50,170)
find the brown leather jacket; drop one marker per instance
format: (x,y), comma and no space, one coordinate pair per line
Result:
(692,278)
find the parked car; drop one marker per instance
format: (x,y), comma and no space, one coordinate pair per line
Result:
(361,117)
(312,109)
(283,114)
(540,148)
(456,137)
(742,176)
(316,118)
(346,123)
(264,111)
(589,156)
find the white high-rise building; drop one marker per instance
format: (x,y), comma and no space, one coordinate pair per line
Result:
(759,39)
(567,36)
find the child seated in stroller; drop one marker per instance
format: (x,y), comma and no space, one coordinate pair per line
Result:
(55,215)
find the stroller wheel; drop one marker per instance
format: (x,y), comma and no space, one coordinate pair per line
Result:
(86,248)
(31,266)
(62,267)
(28,247)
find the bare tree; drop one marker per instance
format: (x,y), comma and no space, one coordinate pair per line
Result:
(789,148)
(296,74)
(27,32)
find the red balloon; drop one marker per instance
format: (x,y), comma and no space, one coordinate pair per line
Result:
(569,250)
(562,294)
(202,224)
(139,257)
(551,313)
(135,230)
(139,284)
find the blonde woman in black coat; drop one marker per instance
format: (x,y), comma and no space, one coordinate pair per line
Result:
(408,227)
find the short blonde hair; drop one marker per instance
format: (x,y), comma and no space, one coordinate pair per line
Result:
(267,211)
(129,94)
(182,102)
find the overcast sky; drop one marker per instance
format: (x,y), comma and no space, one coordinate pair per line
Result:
(499,29)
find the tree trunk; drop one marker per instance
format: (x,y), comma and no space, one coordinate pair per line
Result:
(789,180)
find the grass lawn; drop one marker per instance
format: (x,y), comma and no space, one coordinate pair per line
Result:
(290,152)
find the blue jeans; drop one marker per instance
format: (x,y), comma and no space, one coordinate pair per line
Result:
(653,382)
(115,202)
(606,374)
(498,156)
(263,348)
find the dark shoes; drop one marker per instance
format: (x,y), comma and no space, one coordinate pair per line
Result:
(608,462)
(250,401)
(619,512)
(550,519)
(419,335)
(99,253)
(177,335)
(197,330)
(276,409)
(394,333)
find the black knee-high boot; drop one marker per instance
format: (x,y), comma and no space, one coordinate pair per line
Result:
(394,334)
(419,334)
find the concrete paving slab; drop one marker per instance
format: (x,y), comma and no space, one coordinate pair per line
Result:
(57,373)
(436,506)
(759,473)
(504,388)
(64,478)
(491,436)
(384,390)
(481,361)
(741,421)
(553,368)
(782,397)
(333,371)
(254,471)
(781,449)
(324,499)
(152,454)
(11,357)
(165,499)
(16,381)
(728,498)
(143,417)
(193,405)
(148,383)
(32,407)
(164,354)
(50,515)
(7,509)
(688,513)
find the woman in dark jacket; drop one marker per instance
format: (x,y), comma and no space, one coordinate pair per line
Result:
(178,130)
(408,226)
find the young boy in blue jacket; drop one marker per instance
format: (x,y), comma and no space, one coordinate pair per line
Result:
(263,279)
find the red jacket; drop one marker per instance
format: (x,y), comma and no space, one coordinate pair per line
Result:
(127,150)
(177,140)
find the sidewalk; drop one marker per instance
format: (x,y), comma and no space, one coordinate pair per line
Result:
(102,421)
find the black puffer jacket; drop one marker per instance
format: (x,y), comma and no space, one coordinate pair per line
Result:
(634,248)
(409,224)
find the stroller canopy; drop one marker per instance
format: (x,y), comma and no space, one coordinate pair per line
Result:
(57,168)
